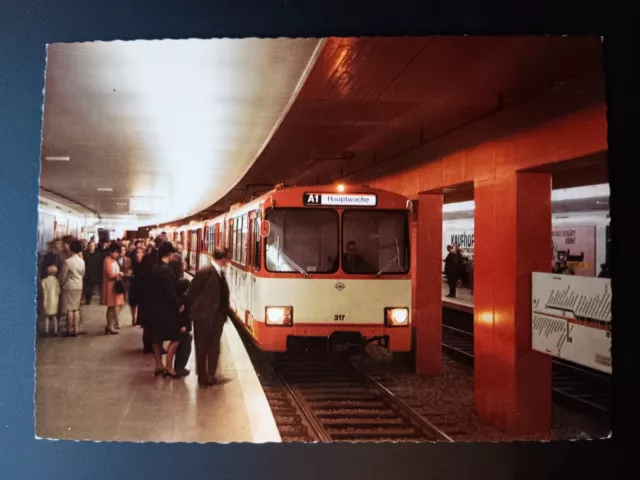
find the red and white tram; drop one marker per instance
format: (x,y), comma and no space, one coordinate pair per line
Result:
(314,262)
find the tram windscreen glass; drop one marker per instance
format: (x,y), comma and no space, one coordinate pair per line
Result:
(375,242)
(302,241)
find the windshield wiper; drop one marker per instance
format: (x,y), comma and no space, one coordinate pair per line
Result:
(289,261)
(395,257)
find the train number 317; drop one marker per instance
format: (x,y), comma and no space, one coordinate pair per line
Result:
(338,318)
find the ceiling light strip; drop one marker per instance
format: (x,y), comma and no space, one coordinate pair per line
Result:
(577,193)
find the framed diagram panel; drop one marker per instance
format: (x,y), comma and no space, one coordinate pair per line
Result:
(571,319)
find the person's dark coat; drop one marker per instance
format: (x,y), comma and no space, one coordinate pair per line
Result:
(145,300)
(176,264)
(451,267)
(208,298)
(49,258)
(165,321)
(184,349)
(135,292)
(93,264)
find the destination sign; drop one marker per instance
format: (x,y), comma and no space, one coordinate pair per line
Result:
(340,199)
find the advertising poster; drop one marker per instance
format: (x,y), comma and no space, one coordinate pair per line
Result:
(61,227)
(571,319)
(464,237)
(577,247)
(45,230)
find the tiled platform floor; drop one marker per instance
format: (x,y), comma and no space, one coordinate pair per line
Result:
(101,387)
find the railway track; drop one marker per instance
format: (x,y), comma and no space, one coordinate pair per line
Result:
(317,397)
(336,401)
(569,382)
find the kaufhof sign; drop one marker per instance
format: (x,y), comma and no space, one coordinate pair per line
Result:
(464,238)
(576,246)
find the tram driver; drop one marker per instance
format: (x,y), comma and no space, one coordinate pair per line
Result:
(352,262)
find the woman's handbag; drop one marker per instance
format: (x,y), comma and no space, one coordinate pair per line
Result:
(119,287)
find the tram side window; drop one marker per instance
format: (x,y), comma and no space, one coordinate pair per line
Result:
(302,241)
(234,239)
(239,239)
(238,249)
(256,228)
(375,241)
(251,254)
(243,240)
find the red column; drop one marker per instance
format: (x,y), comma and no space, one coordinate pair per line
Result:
(512,239)
(427,315)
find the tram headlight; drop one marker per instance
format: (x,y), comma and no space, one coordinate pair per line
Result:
(396,317)
(282,316)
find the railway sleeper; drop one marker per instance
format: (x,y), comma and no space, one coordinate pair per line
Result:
(376,433)
(339,397)
(286,411)
(314,379)
(353,414)
(339,384)
(369,422)
(373,405)
(307,373)
(329,390)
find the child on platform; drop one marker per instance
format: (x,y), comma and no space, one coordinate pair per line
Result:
(51,299)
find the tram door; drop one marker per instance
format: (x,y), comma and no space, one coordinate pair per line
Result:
(608,247)
(199,248)
(251,279)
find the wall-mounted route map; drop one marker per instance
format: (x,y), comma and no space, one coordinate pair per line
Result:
(572,318)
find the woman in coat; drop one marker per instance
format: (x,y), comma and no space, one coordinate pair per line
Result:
(165,322)
(72,276)
(111,273)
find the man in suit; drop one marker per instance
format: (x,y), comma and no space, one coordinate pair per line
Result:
(208,300)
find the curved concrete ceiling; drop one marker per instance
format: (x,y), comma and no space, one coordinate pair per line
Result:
(159,130)
(371,100)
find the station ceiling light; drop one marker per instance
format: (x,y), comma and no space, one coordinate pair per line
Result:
(560,195)
(459,207)
(579,193)
(105,189)
(57,159)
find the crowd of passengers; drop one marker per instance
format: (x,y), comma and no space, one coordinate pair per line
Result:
(148,275)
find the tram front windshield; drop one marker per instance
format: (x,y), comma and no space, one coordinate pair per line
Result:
(303,241)
(306,241)
(375,242)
